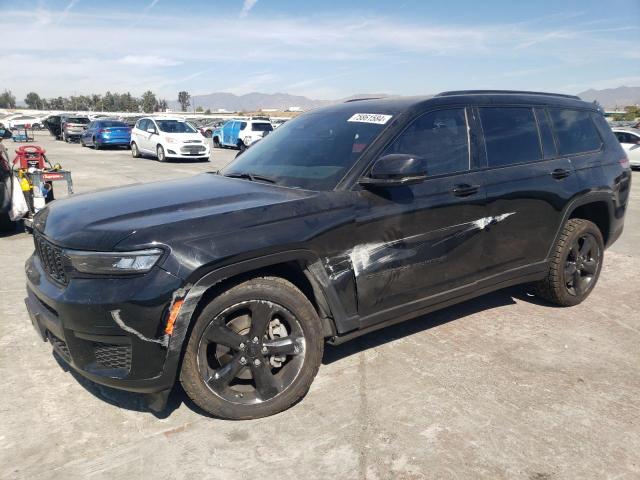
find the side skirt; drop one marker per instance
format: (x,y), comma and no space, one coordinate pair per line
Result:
(401,313)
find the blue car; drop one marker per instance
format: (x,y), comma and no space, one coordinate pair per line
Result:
(101,133)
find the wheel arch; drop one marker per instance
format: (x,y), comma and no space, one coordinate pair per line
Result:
(598,212)
(594,206)
(302,268)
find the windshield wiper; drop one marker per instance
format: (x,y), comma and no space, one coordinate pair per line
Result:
(251,176)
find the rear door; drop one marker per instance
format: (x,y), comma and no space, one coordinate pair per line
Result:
(417,241)
(528,185)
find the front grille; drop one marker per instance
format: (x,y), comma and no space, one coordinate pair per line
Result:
(51,258)
(193,141)
(59,346)
(113,356)
(193,149)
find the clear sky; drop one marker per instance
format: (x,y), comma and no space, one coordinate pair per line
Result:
(323,49)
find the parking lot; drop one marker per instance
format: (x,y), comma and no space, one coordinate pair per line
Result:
(504,386)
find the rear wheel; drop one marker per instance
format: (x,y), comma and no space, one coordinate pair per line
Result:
(575,264)
(216,143)
(135,153)
(160,154)
(96,145)
(254,350)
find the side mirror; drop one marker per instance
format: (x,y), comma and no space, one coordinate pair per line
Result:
(151,130)
(396,169)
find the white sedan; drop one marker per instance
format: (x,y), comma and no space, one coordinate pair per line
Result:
(629,139)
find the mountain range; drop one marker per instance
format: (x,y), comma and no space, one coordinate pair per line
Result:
(251,102)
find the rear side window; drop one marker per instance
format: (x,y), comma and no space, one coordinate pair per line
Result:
(575,131)
(510,134)
(440,137)
(243,125)
(261,127)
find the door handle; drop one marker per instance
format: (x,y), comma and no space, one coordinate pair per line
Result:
(560,173)
(464,190)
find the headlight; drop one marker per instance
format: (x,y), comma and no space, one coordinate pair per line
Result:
(138,261)
(171,140)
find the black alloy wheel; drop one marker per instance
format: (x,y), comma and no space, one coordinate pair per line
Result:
(582,264)
(251,352)
(574,264)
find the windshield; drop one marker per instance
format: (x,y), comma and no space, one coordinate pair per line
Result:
(312,151)
(175,126)
(261,127)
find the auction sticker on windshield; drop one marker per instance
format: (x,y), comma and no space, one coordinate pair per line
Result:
(378,118)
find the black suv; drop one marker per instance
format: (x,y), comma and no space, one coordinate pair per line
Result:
(344,220)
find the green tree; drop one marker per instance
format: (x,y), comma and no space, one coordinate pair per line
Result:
(33,101)
(185,100)
(199,109)
(7,99)
(149,102)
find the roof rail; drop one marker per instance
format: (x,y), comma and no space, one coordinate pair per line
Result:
(504,92)
(362,98)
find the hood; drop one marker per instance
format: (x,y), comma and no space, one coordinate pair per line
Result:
(100,220)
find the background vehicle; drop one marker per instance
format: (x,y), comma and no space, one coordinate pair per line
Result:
(346,219)
(167,138)
(72,127)
(629,138)
(241,133)
(100,133)
(209,126)
(21,121)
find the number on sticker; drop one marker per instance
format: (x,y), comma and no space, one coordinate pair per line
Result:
(370,118)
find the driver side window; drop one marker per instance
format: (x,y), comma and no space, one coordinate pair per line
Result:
(441,138)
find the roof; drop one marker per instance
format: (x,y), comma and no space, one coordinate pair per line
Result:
(492,97)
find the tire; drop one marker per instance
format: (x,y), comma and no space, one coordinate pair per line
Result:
(65,138)
(135,153)
(96,145)
(216,143)
(242,147)
(82,142)
(160,154)
(236,395)
(576,262)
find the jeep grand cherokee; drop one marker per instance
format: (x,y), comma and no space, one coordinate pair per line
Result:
(343,220)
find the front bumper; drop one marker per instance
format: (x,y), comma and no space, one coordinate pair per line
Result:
(78,320)
(187,151)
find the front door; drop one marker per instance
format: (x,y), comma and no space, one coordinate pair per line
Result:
(418,241)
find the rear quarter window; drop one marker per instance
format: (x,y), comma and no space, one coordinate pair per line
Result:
(575,131)
(510,134)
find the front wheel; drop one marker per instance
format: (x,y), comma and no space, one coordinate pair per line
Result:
(135,153)
(160,154)
(254,350)
(96,145)
(576,261)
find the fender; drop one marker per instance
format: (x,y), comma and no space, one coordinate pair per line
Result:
(191,294)
(590,197)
